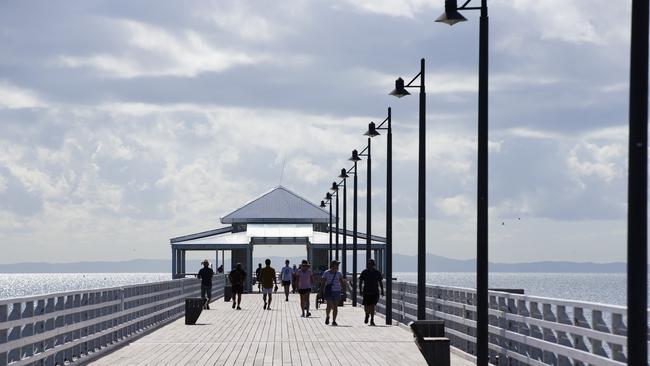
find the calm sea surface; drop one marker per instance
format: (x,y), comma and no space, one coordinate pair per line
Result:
(606,288)
(27,284)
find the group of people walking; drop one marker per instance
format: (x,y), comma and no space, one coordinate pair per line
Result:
(332,283)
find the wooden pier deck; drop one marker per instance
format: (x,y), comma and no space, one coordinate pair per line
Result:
(253,336)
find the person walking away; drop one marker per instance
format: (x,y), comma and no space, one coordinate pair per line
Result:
(370,282)
(237,277)
(332,282)
(205,274)
(294,279)
(220,269)
(257,277)
(268,280)
(285,275)
(305,279)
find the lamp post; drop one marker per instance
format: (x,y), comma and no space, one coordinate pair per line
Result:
(372,132)
(344,175)
(451,16)
(355,158)
(400,91)
(637,221)
(368,200)
(335,189)
(328,199)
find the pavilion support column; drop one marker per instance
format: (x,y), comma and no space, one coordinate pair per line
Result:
(380,260)
(183,269)
(249,269)
(216,261)
(174,273)
(310,254)
(177,258)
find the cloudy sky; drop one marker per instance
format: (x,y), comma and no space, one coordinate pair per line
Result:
(124,123)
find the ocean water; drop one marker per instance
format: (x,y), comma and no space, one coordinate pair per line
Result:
(14,285)
(608,288)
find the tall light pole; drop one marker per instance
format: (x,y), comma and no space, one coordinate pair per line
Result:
(451,16)
(344,175)
(328,199)
(372,132)
(400,91)
(637,216)
(335,189)
(368,200)
(355,158)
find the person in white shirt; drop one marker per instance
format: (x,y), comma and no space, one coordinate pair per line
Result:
(286,275)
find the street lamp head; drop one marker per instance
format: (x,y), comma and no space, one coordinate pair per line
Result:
(372,130)
(451,15)
(344,174)
(399,90)
(355,156)
(334,187)
(322,204)
(328,196)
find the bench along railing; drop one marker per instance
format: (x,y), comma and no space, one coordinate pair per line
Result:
(524,330)
(75,327)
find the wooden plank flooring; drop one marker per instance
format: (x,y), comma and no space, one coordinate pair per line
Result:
(253,336)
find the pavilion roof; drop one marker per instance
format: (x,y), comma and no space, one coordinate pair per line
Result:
(279,205)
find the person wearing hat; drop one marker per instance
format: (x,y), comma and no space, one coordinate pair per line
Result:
(237,277)
(305,279)
(205,274)
(332,282)
(369,285)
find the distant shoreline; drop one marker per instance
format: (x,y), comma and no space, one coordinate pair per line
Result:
(401,263)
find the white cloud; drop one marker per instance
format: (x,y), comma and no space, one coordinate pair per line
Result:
(457,206)
(395,8)
(153,51)
(533,134)
(245,21)
(3,183)
(596,22)
(601,161)
(13,97)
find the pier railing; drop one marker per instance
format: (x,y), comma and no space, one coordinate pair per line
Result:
(75,327)
(524,330)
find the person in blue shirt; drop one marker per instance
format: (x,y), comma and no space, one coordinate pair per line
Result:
(286,274)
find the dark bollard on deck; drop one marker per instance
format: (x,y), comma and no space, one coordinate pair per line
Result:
(193,308)
(227,293)
(430,338)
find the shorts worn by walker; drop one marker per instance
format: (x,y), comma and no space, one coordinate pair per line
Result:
(334,296)
(237,289)
(267,290)
(370,299)
(303,291)
(286,283)
(206,290)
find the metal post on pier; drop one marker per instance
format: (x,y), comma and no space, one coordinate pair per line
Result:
(173,263)
(637,220)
